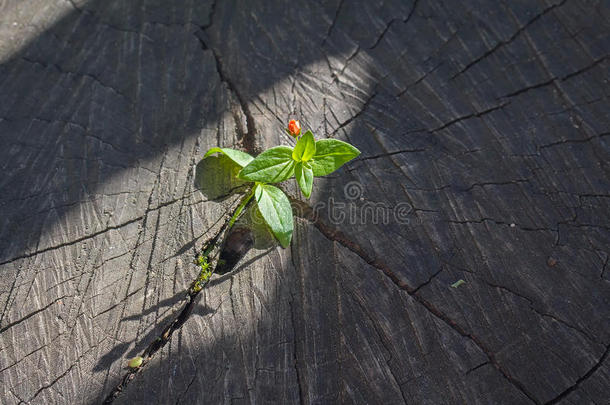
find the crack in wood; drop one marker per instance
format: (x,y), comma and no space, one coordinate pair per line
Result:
(357,115)
(31,314)
(429,280)
(580,380)
(558,189)
(502,43)
(331,27)
(296,358)
(476,114)
(214,246)
(569,141)
(554,80)
(384,344)
(91,76)
(336,235)
(95,234)
(542,313)
(249,138)
(477,367)
(392,21)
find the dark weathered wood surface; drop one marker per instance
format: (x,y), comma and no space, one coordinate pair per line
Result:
(484,130)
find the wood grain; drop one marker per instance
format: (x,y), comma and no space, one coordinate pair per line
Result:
(484,132)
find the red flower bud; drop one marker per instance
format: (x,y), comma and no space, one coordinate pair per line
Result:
(294,127)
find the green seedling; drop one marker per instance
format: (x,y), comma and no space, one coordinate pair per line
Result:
(136,362)
(307,160)
(458,283)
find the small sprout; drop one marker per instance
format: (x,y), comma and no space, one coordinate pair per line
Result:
(136,362)
(308,159)
(458,283)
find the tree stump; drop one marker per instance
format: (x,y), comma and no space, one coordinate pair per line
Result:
(462,258)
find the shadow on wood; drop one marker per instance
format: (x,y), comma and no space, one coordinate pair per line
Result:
(491,120)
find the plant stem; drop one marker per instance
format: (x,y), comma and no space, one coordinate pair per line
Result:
(240,208)
(203,260)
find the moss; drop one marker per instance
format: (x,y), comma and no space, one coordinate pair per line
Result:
(204,274)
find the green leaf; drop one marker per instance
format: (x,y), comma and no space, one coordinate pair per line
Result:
(239,157)
(271,166)
(458,283)
(304,176)
(136,362)
(275,208)
(330,155)
(305,148)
